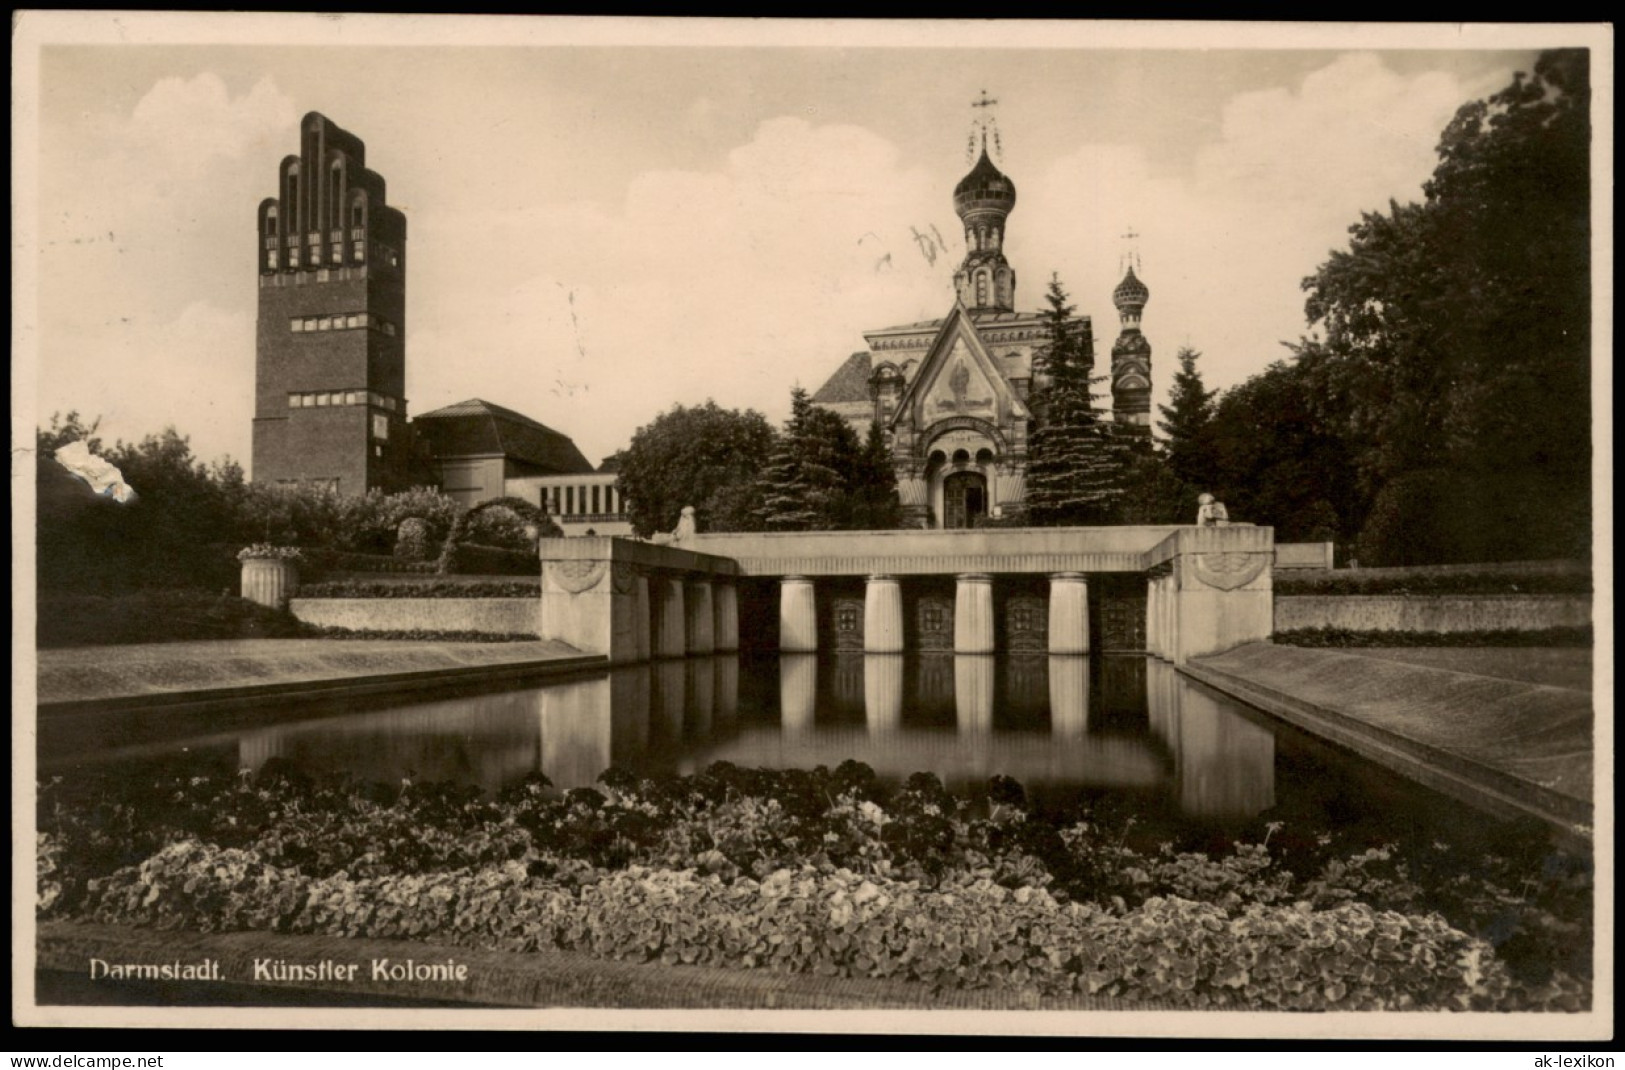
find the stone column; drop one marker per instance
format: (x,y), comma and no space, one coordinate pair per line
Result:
(1068,613)
(269,581)
(641,624)
(883,692)
(798,617)
(973,614)
(883,616)
(725,601)
(701,617)
(798,692)
(1153,620)
(669,638)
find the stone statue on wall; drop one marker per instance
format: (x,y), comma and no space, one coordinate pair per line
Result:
(686,528)
(1211,513)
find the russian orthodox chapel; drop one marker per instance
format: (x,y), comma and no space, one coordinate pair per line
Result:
(953,394)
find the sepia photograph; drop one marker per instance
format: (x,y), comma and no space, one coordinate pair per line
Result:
(1094,529)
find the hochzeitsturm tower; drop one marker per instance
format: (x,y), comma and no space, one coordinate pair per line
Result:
(330,370)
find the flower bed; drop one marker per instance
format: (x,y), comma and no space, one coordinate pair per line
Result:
(822,872)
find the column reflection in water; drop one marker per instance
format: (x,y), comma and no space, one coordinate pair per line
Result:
(973,693)
(1160,681)
(1069,695)
(629,695)
(670,696)
(701,698)
(1225,764)
(725,673)
(575,731)
(883,692)
(798,692)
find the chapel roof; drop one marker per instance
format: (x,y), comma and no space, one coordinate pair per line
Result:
(849,383)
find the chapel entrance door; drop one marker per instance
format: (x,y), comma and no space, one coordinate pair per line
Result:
(964,498)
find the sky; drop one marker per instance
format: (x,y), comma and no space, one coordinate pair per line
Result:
(605,219)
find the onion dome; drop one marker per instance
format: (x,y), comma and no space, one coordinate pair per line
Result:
(1130,293)
(984,188)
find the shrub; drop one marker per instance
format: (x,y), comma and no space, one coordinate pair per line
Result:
(157,616)
(413,539)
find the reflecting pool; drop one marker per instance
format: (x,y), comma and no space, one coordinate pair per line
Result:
(1120,729)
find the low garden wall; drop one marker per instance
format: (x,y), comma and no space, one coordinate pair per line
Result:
(1295,555)
(497,616)
(1433,613)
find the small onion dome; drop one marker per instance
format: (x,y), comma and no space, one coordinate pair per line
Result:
(985,187)
(1131,292)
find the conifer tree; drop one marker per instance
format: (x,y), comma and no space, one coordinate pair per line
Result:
(800,484)
(1077,466)
(1187,421)
(874,485)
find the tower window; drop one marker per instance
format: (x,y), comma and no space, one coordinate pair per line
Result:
(338,254)
(353,319)
(270,259)
(380,426)
(293,256)
(357,216)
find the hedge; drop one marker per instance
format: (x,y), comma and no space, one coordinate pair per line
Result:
(441,588)
(1575,637)
(420,635)
(469,559)
(1529,579)
(324,560)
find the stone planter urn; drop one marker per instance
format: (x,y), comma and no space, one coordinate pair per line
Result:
(270,581)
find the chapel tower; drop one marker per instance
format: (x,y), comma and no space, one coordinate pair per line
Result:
(1131,354)
(330,367)
(983,200)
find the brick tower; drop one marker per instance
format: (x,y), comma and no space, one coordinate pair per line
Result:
(330,368)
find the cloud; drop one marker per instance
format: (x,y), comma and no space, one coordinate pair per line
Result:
(147,287)
(1226,246)
(732,281)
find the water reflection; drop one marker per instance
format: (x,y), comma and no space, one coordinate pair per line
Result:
(1067,721)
